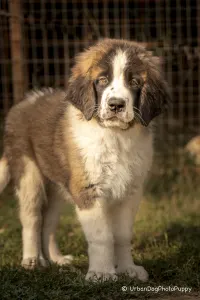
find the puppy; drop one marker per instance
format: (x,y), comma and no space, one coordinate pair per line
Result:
(91,145)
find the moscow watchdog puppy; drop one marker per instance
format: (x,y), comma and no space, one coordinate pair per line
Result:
(91,144)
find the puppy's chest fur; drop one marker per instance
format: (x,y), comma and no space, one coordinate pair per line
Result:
(115,161)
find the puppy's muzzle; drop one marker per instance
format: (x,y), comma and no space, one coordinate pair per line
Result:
(116,104)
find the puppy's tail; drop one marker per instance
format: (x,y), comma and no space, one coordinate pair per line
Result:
(4,173)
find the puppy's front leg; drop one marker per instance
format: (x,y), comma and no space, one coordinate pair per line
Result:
(98,232)
(122,221)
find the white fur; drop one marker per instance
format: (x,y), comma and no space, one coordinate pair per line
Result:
(97,229)
(4,174)
(118,161)
(114,158)
(122,216)
(117,88)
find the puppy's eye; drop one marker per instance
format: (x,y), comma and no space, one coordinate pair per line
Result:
(103,80)
(135,82)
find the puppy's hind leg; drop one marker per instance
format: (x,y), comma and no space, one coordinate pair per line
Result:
(31,194)
(56,199)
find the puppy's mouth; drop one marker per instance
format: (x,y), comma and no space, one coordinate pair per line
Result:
(116,121)
(114,118)
(124,117)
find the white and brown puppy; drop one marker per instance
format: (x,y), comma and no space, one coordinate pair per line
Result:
(91,145)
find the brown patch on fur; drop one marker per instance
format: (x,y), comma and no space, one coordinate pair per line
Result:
(86,62)
(30,131)
(82,95)
(95,72)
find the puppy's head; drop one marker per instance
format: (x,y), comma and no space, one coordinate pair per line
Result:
(118,82)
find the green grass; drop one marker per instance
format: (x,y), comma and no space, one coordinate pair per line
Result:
(166,243)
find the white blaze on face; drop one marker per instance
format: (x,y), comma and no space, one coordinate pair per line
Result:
(117,88)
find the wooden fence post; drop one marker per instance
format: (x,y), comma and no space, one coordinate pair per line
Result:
(16,42)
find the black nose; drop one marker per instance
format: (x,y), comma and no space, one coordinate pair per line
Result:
(116,104)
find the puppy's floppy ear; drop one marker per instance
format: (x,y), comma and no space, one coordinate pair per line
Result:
(155,96)
(81,93)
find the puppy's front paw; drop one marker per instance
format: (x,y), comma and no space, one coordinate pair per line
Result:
(135,271)
(95,276)
(31,263)
(63,260)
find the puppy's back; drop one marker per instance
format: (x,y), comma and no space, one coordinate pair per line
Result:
(30,130)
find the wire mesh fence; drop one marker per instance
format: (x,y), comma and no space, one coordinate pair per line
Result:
(40,38)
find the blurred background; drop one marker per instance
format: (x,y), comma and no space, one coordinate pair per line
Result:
(40,38)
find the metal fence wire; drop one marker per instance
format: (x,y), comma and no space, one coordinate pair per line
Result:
(40,38)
